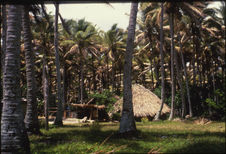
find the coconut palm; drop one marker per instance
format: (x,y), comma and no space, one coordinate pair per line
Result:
(58,120)
(127,123)
(13,133)
(82,34)
(172,65)
(31,117)
(112,41)
(162,65)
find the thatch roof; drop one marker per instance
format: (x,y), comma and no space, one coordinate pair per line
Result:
(145,103)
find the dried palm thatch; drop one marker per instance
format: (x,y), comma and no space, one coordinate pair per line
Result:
(145,103)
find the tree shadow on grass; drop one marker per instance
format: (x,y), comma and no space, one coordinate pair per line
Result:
(201,147)
(137,143)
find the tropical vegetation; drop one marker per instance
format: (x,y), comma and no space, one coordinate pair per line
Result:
(175,49)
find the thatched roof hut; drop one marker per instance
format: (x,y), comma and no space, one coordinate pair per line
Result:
(145,103)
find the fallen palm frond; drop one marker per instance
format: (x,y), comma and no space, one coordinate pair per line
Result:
(106,149)
(154,151)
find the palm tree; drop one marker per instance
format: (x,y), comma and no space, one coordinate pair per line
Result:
(3,37)
(45,82)
(162,65)
(31,117)
(112,40)
(82,35)
(58,120)
(185,73)
(127,123)
(172,65)
(13,133)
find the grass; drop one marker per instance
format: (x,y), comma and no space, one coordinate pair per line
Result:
(153,137)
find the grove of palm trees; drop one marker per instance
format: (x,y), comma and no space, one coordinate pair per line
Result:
(55,69)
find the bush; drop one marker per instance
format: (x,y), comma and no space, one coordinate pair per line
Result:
(218,108)
(144,120)
(40,107)
(105,98)
(116,116)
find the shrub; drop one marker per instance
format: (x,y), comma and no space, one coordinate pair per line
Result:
(116,116)
(105,98)
(144,120)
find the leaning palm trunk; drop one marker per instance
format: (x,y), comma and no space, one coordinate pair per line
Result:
(14,136)
(172,66)
(162,66)
(186,79)
(127,123)
(31,118)
(59,114)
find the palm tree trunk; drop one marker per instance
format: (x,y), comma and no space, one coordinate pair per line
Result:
(4,29)
(107,73)
(13,133)
(152,74)
(94,75)
(186,80)
(127,123)
(172,66)
(31,117)
(58,120)
(156,72)
(81,83)
(45,90)
(1,70)
(157,116)
(63,87)
(180,79)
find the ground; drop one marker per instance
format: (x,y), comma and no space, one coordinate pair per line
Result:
(156,137)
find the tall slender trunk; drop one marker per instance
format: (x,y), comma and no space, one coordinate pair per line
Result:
(4,30)
(94,75)
(107,73)
(63,87)
(157,116)
(127,123)
(156,72)
(13,133)
(45,81)
(172,66)
(152,74)
(1,70)
(213,80)
(31,117)
(180,79)
(81,81)
(113,71)
(58,120)
(186,79)
(194,60)
(66,81)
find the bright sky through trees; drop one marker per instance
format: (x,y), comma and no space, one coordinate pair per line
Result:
(100,14)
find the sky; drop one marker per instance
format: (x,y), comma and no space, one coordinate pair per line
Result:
(101,15)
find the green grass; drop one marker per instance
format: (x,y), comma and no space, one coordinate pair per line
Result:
(162,136)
